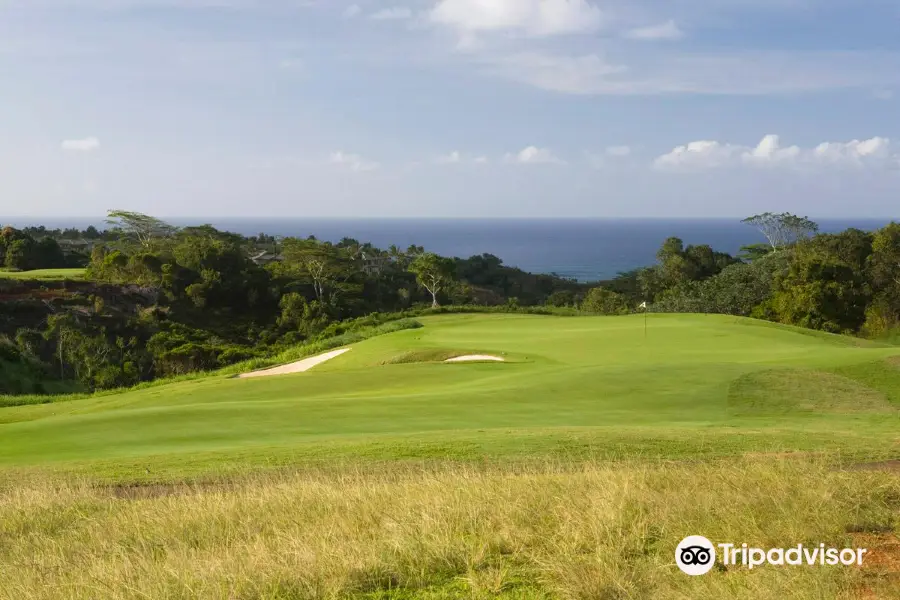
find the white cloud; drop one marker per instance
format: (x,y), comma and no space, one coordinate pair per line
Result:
(85,145)
(667,31)
(396,13)
(534,155)
(769,151)
(354,162)
(457,158)
(856,152)
(533,17)
(352,11)
(702,155)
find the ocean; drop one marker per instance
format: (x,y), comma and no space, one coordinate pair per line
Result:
(585,249)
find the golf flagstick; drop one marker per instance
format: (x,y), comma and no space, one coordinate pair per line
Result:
(644,306)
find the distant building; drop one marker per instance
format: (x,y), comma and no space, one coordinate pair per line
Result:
(265,257)
(374,264)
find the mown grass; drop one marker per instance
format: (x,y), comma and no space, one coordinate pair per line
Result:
(584,385)
(43,274)
(290,355)
(556,530)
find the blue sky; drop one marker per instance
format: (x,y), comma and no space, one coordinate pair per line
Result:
(458,108)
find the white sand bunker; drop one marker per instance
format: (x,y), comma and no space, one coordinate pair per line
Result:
(475,358)
(297,367)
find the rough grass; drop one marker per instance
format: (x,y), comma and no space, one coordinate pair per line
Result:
(564,530)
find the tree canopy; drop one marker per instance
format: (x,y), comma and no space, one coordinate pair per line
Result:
(782,229)
(143,228)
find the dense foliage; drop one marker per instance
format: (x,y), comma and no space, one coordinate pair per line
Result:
(22,252)
(162,301)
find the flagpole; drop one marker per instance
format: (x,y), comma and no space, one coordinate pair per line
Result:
(644,306)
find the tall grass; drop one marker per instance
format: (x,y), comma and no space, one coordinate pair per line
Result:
(554,531)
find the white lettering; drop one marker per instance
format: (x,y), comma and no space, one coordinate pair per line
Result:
(726,548)
(757,557)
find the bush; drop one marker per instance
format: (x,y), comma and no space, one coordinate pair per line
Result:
(235,354)
(8,350)
(605,302)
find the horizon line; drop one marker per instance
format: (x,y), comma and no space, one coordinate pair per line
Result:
(207,219)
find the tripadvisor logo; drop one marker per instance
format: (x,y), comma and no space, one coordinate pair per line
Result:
(696,555)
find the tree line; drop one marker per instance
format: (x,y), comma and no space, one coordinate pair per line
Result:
(161,300)
(847,282)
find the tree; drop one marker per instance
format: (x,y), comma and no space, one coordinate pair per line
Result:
(18,254)
(884,262)
(737,290)
(782,229)
(752,252)
(561,298)
(433,272)
(605,302)
(48,255)
(821,288)
(142,227)
(883,265)
(325,265)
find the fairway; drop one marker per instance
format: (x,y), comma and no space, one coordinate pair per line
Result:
(587,386)
(570,470)
(44,274)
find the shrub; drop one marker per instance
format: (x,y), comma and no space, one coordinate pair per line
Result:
(605,302)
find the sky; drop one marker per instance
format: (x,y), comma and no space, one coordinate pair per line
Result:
(450,108)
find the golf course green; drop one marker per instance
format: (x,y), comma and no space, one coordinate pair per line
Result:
(597,387)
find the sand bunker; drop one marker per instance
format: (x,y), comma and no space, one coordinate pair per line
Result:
(298,367)
(475,358)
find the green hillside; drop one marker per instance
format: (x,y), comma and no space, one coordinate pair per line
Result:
(585,386)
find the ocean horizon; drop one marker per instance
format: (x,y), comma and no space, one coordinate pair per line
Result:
(583,249)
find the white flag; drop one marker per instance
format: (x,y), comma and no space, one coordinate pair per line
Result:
(643,305)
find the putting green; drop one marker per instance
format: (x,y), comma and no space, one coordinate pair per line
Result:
(587,385)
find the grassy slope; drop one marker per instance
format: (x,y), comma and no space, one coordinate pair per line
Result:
(43,274)
(592,532)
(574,386)
(558,526)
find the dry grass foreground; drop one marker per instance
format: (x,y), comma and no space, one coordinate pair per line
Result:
(555,531)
